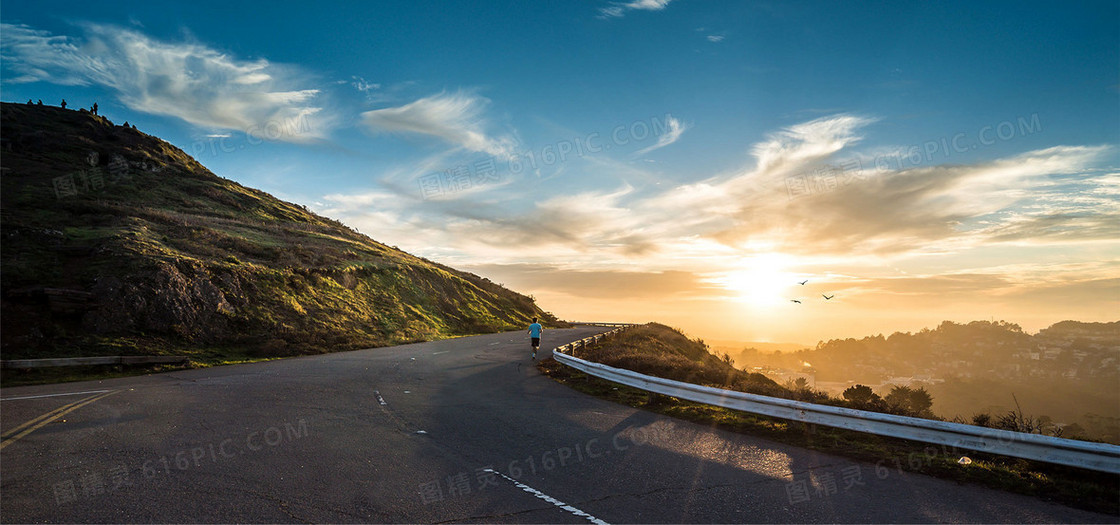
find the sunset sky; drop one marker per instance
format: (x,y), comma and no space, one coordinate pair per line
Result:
(688,162)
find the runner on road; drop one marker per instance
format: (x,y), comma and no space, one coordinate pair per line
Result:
(535,330)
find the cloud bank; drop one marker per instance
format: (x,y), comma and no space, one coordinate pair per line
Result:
(189,81)
(1050,195)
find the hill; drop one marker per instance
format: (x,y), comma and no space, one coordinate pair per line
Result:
(733,348)
(657,350)
(116,242)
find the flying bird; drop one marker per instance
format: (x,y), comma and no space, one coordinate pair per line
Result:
(802,283)
(827,297)
(796,301)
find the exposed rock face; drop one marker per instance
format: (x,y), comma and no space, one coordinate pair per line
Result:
(164,301)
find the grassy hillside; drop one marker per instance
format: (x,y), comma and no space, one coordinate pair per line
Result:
(116,242)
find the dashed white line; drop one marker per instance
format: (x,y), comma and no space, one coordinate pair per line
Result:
(55,395)
(443,352)
(550,499)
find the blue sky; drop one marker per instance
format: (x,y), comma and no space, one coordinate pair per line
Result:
(684,161)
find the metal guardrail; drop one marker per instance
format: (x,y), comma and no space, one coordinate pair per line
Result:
(85,361)
(1094,456)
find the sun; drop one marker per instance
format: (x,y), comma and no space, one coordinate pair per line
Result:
(762,280)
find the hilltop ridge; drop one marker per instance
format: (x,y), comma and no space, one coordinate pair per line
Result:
(116,242)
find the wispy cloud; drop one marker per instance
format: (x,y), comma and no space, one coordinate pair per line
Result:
(619,9)
(190,81)
(455,118)
(715,38)
(671,135)
(797,145)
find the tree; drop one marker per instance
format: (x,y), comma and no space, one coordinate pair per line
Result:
(915,402)
(899,399)
(921,402)
(861,395)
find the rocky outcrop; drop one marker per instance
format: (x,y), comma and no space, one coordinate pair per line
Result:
(164,300)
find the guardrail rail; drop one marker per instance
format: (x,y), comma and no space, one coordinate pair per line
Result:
(1094,456)
(100,360)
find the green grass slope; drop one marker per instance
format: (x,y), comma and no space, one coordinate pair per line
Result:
(116,242)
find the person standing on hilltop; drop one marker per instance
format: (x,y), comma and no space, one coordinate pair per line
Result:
(63,103)
(535,330)
(94,108)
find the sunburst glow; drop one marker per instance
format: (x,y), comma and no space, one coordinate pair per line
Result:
(762,281)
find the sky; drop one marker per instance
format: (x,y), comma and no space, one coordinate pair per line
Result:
(703,164)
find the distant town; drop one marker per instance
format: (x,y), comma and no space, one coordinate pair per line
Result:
(1068,373)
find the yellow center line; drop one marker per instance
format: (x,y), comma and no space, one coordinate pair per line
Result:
(42,417)
(39,422)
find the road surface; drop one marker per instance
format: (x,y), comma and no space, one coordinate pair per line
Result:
(460,430)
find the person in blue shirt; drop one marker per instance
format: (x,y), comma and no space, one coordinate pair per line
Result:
(535,330)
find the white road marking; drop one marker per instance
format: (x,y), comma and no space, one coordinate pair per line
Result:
(380,400)
(550,499)
(443,352)
(55,395)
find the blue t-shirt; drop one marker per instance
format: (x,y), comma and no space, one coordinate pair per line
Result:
(535,330)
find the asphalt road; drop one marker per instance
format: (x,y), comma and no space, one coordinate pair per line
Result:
(461,430)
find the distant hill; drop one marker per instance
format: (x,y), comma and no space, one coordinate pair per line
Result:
(735,347)
(116,242)
(1068,372)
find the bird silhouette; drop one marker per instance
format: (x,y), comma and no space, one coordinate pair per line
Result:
(827,297)
(802,283)
(796,301)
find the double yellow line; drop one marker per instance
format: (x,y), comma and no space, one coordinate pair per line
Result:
(14,434)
